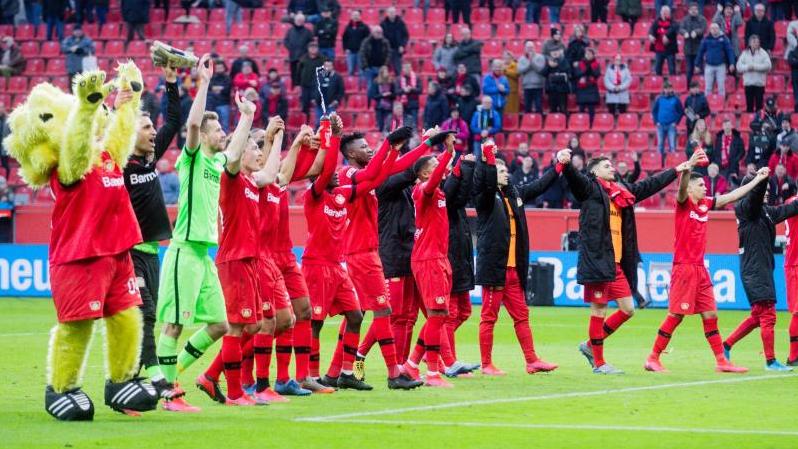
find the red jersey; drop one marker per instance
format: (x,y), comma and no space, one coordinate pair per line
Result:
(239,218)
(327,219)
(92,217)
(269,204)
(362,233)
(432,221)
(690,240)
(791,251)
(282,238)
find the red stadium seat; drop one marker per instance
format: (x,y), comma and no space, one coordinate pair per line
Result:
(640,66)
(641,30)
(652,84)
(562,139)
(529,31)
(357,102)
(17,85)
(541,141)
(775,83)
(413,15)
(35,66)
(614,141)
(29,49)
(516,139)
(195,31)
(590,141)
(492,49)
(172,31)
(650,160)
(716,102)
(351,83)
(506,31)
(607,48)
(481,31)
(503,15)
(416,29)
(422,49)
(674,159)
(50,49)
(216,16)
(577,123)
(365,122)
(785,102)
(510,122)
(736,101)
(436,30)
(745,123)
(679,83)
(531,122)
(215,30)
(597,30)
(620,30)
(25,32)
(638,141)
(631,48)
(639,102)
(603,122)
(295,119)
(647,123)
(137,49)
(555,122)
(56,67)
(627,122)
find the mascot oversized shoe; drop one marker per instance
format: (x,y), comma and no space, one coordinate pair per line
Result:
(72,405)
(131,397)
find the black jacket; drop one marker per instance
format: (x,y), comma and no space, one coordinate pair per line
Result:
(756,229)
(596,262)
(367,55)
(759,150)
(396,32)
(397,223)
(332,86)
(493,224)
(307,70)
(672,47)
(575,51)
(736,153)
(214,100)
(698,104)
(764,29)
(296,42)
(326,31)
(436,111)
(461,246)
(136,11)
(558,77)
(470,54)
(354,35)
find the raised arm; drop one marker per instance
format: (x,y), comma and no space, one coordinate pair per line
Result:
(204,72)
(372,169)
(274,141)
(580,185)
(443,165)
(457,187)
(241,135)
(485,178)
(330,143)
(761,175)
(750,205)
(289,164)
(783,212)
(171,125)
(532,190)
(120,135)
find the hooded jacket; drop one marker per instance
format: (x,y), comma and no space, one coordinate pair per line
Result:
(396,222)
(461,246)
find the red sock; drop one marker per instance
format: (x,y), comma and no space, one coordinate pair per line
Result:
(247,359)
(336,364)
(381,327)
(614,321)
(283,347)
(263,357)
(368,340)
(350,341)
(596,334)
(749,323)
(231,355)
(432,338)
(314,359)
(713,337)
(793,338)
(302,349)
(664,334)
(765,312)
(216,367)
(420,348)
(447,355)
(398,322)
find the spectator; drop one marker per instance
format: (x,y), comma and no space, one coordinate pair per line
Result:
(617,81)
(518,157)
(554,196)
(170,184)
(792,38)
(274,102)
(785,156)
(469,53)
(53,13)
(526,173)
(309,9)
(332,88)
(491,4)
(557,73)
(728,19)
(716,185)
(233,12)
(383,92)
(460,127)
(307,75)
(496,85)
(374,54)
(759,25)
(532,11)
(772,120)
(599,10)
(8,10)
(436,111)
(554,43)
(578,163)
(464,79)
(587,74)
(461,7)
(272,76)
(759,146)
(333,5)
(409,91)
(728,151)
(354,34)
(511,72)
(243,56)
(33,12)
(667,113)
(76,47)
(246,78)
(326,31)
(719,57)
(662,35)
(754,65)
(577,44)
(398,118)
(296,42)
(446,85)
(12,63)
(485,123)
(696,106)
(786,133)
(575,147)
(530,66)
(782,186)
(136,14)
(792,60)
(443,57)
(396,32)
(693,28)
(554,7)
(629,10)
(5,130)
(101,9)
(467,102)
(629,177)
(700,138)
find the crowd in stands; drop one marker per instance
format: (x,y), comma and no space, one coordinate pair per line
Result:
(339,60)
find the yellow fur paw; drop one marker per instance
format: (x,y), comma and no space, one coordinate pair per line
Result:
(129,77)
(89,88)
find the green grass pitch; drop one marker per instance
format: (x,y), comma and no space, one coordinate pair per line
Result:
(690,407)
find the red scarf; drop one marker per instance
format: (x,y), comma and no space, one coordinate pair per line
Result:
(617,75)
(724,153)
(662,30)
(618,194)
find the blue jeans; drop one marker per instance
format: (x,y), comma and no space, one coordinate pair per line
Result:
(554,14)
(313,18)
(690,60)
(532,12)
(328,52)
(417,3)
(224,116)
(102,14)
(232,11)
(33,13)
(352,63)
(659,58)
(671,131)
(368,74)
(533,100)
(58,24)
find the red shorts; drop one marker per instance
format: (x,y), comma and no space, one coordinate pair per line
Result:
(272,288)
(242,300)
(691,290)
(791,274)
(604,292)
(365,270)
(434,281)
(331,290)
(94,288)
(292,275)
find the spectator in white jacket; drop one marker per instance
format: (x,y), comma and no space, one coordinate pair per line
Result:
(792,38)
(617,80)
(754,64)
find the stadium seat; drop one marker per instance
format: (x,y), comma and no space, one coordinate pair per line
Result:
(295,119)
(504,15)
(620,30)
(640,66)
(29,49)
(639,102)
(17,85)
(35,66)
(716,102)
(50,50)
(638,141)
(357,102)
(505,30)
(775,83)
(173,31)
(529,31)
(627,122)
(216,15)
(436,30)
(603,122)
(364,122)
(784,102)
(227,48)
(56,67)
(215,30)
(745,123)
(562,139)
(650,160)
(674,159)
(614,141)
(641,30)
(422,48)
(416,29)
(413,15)
(736,101)
(607,48)
(597,30)
(195,31)
(516,138)
(647,123)
(541,141)
(25,32)
(577,123)
(138,49)
(555,122)
(510,122)
(631,48)
(679,83)
(531,122)
(590,141)
(110,31)
(652,84)
(492,49)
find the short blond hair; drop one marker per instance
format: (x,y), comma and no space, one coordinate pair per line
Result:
(207,117)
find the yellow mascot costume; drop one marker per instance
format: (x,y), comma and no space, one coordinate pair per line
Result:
(74,144)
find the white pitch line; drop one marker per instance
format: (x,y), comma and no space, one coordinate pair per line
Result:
(575,394)
(569,427)
(22,334)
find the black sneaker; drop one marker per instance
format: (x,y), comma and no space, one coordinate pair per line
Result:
(792,362)
(328,381)
(167,390)
(72,405)
(134,395)
(402,382)
(349,381)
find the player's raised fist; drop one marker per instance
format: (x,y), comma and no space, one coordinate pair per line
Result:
(205,68)
(246,107)
(336,124)
(763,172)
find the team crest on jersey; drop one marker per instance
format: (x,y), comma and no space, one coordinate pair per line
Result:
(598,294)
(440,300)
(381,300)
(94,306)
(685,306)
(519,202)
(317,310)
(267,306)
(186,315)
(108,166)
(246,313)
(703,208)
(339,199)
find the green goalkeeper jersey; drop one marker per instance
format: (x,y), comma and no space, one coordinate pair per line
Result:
(198,203)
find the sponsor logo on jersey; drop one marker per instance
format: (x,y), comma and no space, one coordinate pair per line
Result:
(703,208)
(210,175)
(251,195)
(519,202)
(442,204)
(246,312)
(350,172)
(133,286)
(94,306)
(143,179)
(334,213)
(186,315)
(418,233)
(272,198)
(116,181)
(108,166)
